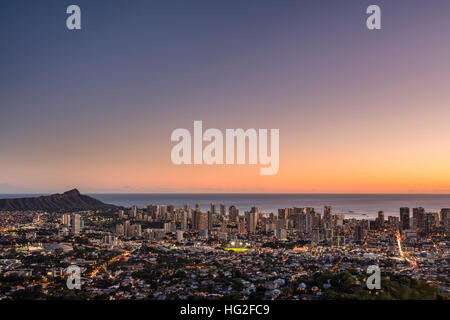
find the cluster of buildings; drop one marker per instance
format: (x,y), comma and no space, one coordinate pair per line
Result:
(299,223)
(72,223)
(163,252)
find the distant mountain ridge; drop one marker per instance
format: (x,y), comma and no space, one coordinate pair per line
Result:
(69,200)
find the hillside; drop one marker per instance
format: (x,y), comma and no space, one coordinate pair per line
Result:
(70,200)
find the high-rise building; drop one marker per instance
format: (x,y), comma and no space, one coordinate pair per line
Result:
(427,222)
(184,220)
(162,213)
(416,212)
(445,217)
(234,213)
(126,228)
(213,208)
(210,220)
(301,222)
(133,212)
(152,211)
(282,224)
(252,220)
(393,222)
(404,218)
(316,220)
(241,225)
(200,220)
(223,210)
(282,213)
(327,212)
(75,223)
(380,220)
(360,232)
(338,220)
(309,220)
(65,219)
(315,235)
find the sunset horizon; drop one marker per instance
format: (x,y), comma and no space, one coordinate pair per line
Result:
(353,115)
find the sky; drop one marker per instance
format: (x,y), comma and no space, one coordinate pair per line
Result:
(359,111)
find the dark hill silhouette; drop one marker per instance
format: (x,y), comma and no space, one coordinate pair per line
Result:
(70,200)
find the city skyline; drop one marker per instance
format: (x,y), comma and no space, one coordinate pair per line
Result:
(167,252)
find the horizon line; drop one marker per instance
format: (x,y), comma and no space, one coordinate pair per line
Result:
(239,193)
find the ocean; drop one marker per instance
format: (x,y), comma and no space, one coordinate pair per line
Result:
(352,205)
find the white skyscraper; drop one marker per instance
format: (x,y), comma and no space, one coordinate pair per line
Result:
(76,223)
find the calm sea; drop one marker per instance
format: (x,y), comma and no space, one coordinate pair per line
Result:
(352,205)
